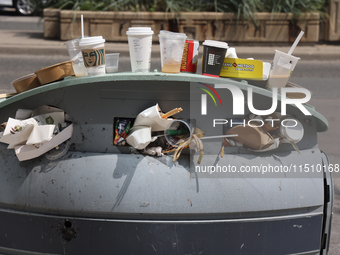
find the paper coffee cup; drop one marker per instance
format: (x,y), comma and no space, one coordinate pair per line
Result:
(171,47)
(140,43)
(140,137)
(213,57)
(93,50)
(292,130)
(282,68)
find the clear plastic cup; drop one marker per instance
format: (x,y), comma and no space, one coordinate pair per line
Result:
(112,61)
(213,57)
(76,56)
(93,50)
(282,68)
(140,43)
(171,46)
(178,131)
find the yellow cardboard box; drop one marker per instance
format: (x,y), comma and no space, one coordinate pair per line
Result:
(242,68)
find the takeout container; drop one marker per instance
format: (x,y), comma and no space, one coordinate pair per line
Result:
(255,138)
(296,95)
(55,72)
(26,82)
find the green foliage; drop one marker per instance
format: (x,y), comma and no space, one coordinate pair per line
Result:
(244,9)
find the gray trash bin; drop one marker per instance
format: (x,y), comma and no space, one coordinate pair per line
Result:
(104,199)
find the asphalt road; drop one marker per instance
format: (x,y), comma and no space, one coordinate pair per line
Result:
(321,77)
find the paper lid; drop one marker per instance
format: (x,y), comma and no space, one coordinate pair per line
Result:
(139,31)
(217,44)
(291,133)
(91,40)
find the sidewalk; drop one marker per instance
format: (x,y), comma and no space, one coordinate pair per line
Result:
(33,43)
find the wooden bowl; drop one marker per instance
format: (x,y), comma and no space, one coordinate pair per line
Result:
(55,72)
(26,82)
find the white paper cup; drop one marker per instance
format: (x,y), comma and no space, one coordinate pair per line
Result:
(93,50)
(76,57)
(140,43)
(171,46)
(290,133)
(140,137)
(282,68)
(112,61)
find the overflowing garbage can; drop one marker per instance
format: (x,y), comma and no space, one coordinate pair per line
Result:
(102,190)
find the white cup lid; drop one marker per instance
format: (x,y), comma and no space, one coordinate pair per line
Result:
(91,40)
(139,31)
(217,44)
(291,133)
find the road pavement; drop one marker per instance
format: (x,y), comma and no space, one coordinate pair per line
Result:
(23,51)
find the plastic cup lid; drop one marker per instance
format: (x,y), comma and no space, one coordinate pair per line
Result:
(139,31)
(172,35)
(286,55)
(291,133)
(217,44)
(91,40)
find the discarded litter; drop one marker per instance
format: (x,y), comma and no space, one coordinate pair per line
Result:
(46,128)
(264,133)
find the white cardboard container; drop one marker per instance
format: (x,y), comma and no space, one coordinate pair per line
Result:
(26,152)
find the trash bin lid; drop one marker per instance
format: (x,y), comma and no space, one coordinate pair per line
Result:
(321,121)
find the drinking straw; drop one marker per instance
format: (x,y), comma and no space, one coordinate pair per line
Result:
(172,112)
(82,27)
(295,43)
(218,136)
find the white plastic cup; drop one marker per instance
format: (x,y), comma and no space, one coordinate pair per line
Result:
(93,50)
(140,43)
(282,68)
(112,61)
(171,46)
(213,57)
(76,56)
(292,130)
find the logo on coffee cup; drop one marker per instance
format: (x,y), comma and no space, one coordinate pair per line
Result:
(94,57)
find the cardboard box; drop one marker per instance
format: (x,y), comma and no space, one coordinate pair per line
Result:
(245,69)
